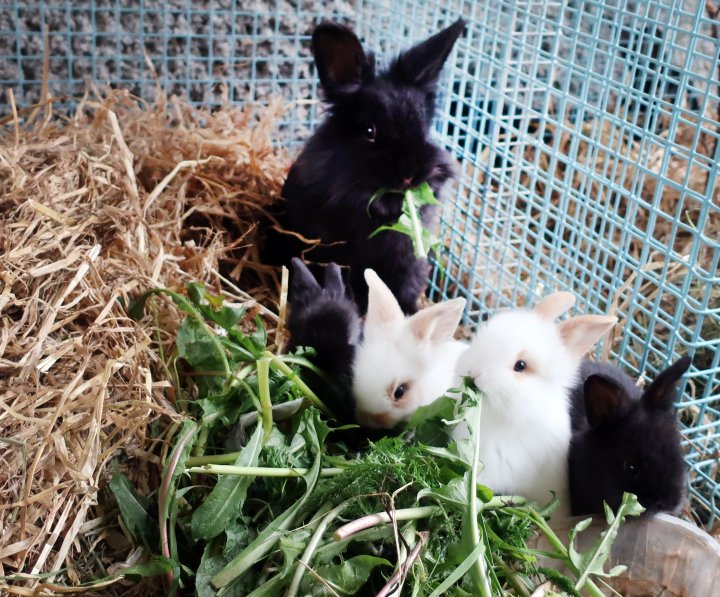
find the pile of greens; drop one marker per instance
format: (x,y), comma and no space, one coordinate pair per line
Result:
(263,495)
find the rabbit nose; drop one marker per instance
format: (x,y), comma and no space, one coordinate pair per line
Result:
(407,182)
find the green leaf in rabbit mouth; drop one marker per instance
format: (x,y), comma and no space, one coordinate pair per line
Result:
(410,222)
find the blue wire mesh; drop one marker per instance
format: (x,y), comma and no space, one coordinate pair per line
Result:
(587,135)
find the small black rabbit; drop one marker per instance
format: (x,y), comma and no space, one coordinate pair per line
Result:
(626,440)
(376,135)
(324,318)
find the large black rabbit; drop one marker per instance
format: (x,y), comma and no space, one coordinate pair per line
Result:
(376,135)
(626,440)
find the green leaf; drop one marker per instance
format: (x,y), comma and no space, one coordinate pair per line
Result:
(315,431)
(198,346)
(155,566)
(593,561)
(453,494)
(136,308)
(346,578)
(410,222)
(238,534)
(134,511)
(429,422)
(459,572)
(424,195)
(227,498)
(210,565)
(561,581)
(259,336)
(195,292)
(292,546)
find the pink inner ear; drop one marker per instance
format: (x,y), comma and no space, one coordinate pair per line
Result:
(383,307)
(554,305)
(580,333)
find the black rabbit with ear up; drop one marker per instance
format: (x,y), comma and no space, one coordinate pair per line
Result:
(626,440)
(376,136)
(324,318)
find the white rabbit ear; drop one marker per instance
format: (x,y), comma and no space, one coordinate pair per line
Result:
(437,323)
(554,305)
(382,304)
(581,332)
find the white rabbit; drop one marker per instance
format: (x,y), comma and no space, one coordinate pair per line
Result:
(403,363)
(526,365)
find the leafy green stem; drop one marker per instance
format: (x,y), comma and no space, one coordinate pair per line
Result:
(258,471)
(263,373)
(166,495)
(558,546)
(279,365)
(478,571)
(304,562)
(417,229)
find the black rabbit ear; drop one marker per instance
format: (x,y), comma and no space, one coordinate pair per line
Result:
(605,401)
(421,65)
(302,283)
(340,59)
(333,280)
(661,393)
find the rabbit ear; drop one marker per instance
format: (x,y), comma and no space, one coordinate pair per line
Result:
(340,59)
(382,304)
(605,401)
(420,66)
(333,280)
(437,323)
(302,283)
(661,393)
(581,332)
(554,305)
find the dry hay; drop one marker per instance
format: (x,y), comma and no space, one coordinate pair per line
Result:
(118,199)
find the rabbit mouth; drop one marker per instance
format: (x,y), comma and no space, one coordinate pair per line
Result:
(374,420)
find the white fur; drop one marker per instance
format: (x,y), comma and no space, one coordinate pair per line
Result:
(525,420)
(417,352)
(392,356)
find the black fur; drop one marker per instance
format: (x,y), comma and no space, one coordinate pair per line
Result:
(329,186)
(626,440)
(324,318)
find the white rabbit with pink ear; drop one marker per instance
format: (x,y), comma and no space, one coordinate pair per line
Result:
(404,362)
(526,365)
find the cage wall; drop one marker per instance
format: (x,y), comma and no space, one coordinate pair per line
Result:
(586,134)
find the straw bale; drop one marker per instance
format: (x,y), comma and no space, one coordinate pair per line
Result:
(94,209)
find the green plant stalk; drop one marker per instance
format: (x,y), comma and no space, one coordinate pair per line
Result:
(259,471)
(263,373)
(518,587)
(602,549)
(557,544)
(459,572)
(478,570)
(278,364)
(416,225)
(304,562)
(165,497)
(265,541)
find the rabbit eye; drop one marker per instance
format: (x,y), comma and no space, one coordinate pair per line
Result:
(630,468)
(370,132)
(399,391)
(520,366)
